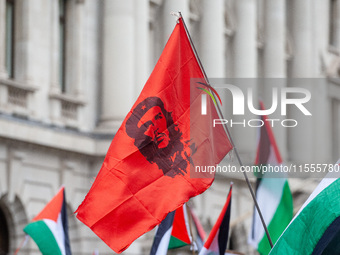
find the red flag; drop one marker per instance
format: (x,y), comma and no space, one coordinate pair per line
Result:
(146,172)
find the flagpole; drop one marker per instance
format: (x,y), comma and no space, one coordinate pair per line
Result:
(229,135)
(22,244)
(190,227)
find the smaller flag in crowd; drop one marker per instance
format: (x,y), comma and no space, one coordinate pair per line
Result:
(49,229)
(316,227)
(216,243)
(199,232)
(273,194)
(173,232)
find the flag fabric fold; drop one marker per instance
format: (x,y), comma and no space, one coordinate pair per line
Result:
(273,194)
(146,171)
(216,243)
(315,229)
(49,229)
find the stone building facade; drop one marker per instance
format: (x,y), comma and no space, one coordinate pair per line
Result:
(70,71)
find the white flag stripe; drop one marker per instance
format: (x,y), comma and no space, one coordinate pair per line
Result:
(269,193)
(186,219)
(164,244)
(58,232)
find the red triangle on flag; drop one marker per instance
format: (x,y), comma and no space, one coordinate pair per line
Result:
(52,209)
(179,226)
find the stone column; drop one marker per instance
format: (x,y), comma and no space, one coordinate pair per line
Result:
(274,38)
(118,63)
(3,72)
(3,168)
(245,66)
(322,113)
(212,38)
(300,138)
(15,174)
(212,46)
(274,62)
(302,30)
(142,46)
(74,48)
(322,30)
(55,83)
(245,58)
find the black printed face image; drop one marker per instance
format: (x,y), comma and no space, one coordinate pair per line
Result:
(156,126)
(157,137)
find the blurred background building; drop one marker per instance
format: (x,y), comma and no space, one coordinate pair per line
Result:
(70,71)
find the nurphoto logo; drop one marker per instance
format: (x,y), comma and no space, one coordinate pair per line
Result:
(281,99)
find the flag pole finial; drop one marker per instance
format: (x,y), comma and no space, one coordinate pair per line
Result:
(176,14)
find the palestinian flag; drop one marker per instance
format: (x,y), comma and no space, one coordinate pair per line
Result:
(216,243)
(49,229)
(199,232)
(173,232)
(316,227)
(273,194)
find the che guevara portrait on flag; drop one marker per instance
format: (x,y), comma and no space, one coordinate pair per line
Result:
(158,138)
(146,172)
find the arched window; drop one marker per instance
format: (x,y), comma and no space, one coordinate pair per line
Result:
(4,234)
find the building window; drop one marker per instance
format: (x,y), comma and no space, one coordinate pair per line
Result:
(62,43)
(67,58)
(10,38)
(334,24)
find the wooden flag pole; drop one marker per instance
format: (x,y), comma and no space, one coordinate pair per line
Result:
(229,135)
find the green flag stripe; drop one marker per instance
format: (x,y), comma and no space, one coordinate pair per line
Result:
(305,231)
(176,243)
(43,237)
(280,220)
